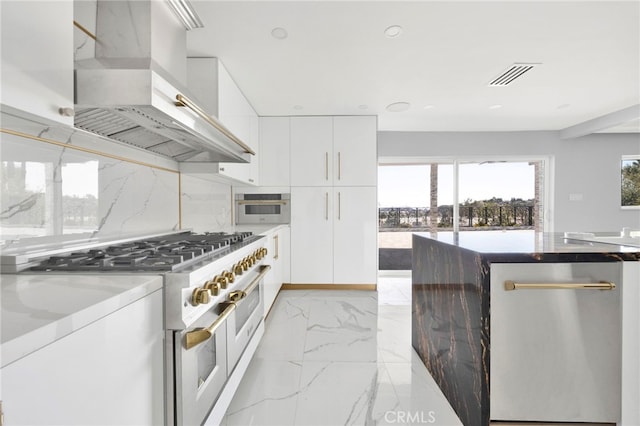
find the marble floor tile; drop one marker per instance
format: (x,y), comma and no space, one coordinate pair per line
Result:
(340,358)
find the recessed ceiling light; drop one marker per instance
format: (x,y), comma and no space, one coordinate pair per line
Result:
(428,106)
(393,31)
(496,106)
(563,106)
(363,106)
(279,33)
(298,107)
(398,106)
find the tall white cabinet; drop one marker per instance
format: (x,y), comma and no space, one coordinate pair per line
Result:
(333,200)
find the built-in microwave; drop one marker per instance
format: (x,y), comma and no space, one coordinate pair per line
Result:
(263,208)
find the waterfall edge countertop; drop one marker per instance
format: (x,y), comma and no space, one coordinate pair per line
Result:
(531,246)
(38,309)
(451,307)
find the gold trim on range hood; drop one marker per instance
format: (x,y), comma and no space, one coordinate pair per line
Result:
(140,107)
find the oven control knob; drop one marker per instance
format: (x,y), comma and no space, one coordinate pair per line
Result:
(200,296)
(245,265)
(262,252)
(253,258)
(229,275)
(237,268)
(213,287)
(222,280)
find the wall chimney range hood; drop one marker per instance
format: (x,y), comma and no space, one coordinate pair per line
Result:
(132,93)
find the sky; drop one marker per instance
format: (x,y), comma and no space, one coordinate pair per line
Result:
(408,185)
(78,179)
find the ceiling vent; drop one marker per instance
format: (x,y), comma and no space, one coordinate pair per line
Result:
(513,72)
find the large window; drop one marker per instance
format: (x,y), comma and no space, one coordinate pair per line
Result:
(463,194)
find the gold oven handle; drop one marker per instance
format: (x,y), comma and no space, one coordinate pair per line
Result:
(264,202)
(263,271)
(184,101)
(602,285)
(195,337)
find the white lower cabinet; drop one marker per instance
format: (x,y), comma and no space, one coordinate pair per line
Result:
(277,257)
(333,235)
(110,372)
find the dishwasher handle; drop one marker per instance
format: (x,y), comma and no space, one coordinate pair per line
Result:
(602,285)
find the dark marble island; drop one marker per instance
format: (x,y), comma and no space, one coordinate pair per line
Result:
(451,303)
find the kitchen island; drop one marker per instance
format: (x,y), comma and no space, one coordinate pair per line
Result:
(458,294)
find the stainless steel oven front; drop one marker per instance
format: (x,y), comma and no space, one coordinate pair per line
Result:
(263,208)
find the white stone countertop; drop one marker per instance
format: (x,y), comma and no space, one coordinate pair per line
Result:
(38,309)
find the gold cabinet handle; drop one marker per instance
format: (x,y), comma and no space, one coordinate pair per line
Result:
(602,285)
(326,206)
(326,166)
(200,335)
(184,101)
(339,166)
(339,205)
(276,245)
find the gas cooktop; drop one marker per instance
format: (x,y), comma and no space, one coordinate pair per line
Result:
(164,253)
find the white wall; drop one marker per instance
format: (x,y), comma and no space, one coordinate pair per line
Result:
(589,166)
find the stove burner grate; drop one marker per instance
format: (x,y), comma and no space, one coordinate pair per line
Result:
(165,253)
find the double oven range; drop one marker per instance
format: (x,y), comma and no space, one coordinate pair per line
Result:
(213,305)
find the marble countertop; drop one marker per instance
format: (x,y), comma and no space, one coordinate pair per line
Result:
(38,309)
(531,245)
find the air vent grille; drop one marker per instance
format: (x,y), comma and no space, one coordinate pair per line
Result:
(512,73)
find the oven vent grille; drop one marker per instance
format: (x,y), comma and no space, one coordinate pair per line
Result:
(513,72)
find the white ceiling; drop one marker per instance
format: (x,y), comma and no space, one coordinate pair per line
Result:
(337,60)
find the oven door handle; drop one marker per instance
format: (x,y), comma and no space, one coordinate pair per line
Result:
(263,202)
(197,336)
(264,269)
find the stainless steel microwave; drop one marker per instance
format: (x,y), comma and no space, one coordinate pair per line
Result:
(263,208)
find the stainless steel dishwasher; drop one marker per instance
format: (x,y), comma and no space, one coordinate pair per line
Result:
(556,342)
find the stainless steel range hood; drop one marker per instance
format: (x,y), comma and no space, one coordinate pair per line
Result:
(128,95)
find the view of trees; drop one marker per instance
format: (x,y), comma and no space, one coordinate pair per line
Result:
(631,182)
(495,212)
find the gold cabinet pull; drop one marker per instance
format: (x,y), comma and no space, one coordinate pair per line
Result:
(197,336)
(339,166)
(184,101)
(276,244)
(339,205)
(326,166)
(602,285)
(326,206)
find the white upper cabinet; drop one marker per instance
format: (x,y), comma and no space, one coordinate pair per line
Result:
(336,151)
(274,151)
(219,96)
(355,154)
(37,57)
(311,151)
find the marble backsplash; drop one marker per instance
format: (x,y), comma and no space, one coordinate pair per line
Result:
(62,191)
